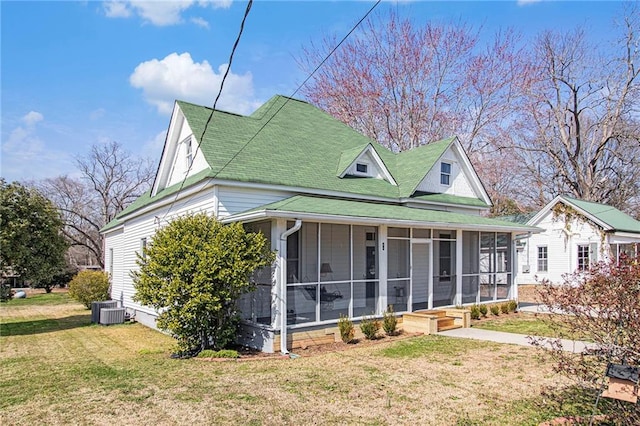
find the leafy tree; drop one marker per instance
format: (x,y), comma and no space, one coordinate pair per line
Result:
(111,180)
(193,272)
(603,306)
(89,286)
(31,242)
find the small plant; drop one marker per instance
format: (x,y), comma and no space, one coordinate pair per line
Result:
(475,312)
(89,286)
(504,308)
(483,310)
(495,310)
(389,321)
(369,327)
(5,293)
(347,331)
(513,306)
(223,353)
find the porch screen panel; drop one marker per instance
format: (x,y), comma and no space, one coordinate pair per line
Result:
(398,259)
(334,300)
(335,252)
(503,266)
(470,266)
(444,280)
(256,305)
(309,268)
(301,303)
(365,270)
(487,267)
(398,268)
(420,277)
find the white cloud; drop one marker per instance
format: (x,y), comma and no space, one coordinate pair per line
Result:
(116,9)
(200,22)
(160,13)
(25,156)
(153,148)
(32,117)
(179,77)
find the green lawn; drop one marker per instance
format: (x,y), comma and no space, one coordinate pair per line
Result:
(524,323)
(57,368)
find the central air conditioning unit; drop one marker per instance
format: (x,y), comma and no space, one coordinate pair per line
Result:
(97,306)
(110,316)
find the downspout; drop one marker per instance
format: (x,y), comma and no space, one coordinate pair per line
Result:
(283,284)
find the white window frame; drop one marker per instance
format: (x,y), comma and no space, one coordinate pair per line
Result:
(544,259)
(188,154)
(445,175)
(366,168)
(143,245)
(583,249)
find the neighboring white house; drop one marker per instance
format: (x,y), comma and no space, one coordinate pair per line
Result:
(356,226)
(576,234)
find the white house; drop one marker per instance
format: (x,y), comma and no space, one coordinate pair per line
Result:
(576,234)
(356,226)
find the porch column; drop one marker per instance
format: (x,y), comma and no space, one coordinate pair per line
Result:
(459,242)
(382,268)
(277,228)
(514,267)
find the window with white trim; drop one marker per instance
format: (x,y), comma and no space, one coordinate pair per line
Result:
(543,259)
(143,246)
(445,173)
(583,257)
(361,168)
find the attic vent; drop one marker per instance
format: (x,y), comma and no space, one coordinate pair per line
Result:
(97,306)
(361,168)
(110,316)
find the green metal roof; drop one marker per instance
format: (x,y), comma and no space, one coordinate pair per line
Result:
(301,204)
(613,217)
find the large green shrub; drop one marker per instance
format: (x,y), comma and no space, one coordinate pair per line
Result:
(89,286)
(193,272)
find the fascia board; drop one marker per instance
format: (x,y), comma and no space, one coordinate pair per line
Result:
(471,172)
(173,129)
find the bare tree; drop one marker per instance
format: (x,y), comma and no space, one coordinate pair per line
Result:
(582,133)
(405,86)
(111,180)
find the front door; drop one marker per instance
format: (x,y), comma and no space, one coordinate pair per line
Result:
(420,272)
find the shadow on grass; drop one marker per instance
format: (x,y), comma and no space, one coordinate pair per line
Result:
(23,328)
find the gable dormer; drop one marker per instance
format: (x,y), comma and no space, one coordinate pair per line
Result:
(364,162)
(453,174)
(181,156)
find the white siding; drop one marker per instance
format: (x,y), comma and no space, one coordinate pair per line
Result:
(562,249)
(460,184)
(113,261)
(127,245)
(179,166)
(232,200)
(372,167)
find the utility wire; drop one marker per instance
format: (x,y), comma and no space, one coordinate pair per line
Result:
(298,88)
(277,111)
(213,109)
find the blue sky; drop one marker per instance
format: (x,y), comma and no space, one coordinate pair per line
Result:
(79,73)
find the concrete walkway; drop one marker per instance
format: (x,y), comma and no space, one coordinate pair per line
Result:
(575,346)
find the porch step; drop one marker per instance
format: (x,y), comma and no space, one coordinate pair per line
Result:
(446,323)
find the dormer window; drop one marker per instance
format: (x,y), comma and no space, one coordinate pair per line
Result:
(445,173)
(361,168)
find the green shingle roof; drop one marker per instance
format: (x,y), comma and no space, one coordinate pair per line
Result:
(302,204)
(613,217)
(292,143)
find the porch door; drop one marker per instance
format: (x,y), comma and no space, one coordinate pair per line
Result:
(420,272)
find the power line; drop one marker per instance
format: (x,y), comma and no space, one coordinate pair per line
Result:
(215,102)
(299,87)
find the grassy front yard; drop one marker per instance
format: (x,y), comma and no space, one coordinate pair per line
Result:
(524,323)
(56,368)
